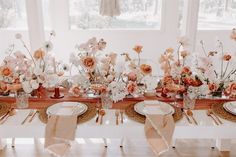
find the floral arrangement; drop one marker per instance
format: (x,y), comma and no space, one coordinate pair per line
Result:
(19,71)
(179,73)
(219,77)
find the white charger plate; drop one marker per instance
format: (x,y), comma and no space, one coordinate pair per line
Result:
(67,109)
(230,107)
(153,107)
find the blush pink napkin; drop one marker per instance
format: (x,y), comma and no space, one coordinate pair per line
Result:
(159,130)
(60,131)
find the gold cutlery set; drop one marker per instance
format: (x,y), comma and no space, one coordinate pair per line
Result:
(189,116)
(9,113)
(121,114)
(214,117)
(29,117)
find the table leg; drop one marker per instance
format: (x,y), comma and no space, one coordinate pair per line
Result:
(173,142)
(2,143)
(105,142)
(122,142)
(13,142)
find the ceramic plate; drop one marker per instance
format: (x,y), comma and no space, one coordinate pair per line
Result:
(67,108)
(153,107)
(230,107)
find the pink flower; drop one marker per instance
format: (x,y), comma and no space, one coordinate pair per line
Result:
(132,76)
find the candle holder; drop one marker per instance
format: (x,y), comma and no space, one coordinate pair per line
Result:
(57,94)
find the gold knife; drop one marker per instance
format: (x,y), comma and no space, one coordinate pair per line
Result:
(26,118)
(32,117)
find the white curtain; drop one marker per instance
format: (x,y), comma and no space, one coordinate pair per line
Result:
(110,8)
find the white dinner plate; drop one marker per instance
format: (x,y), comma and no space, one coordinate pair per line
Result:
(230,107)
(67,109)
(153,107)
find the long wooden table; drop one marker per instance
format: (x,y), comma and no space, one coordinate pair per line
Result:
(39,103)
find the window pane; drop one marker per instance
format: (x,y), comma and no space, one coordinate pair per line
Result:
(217,14)
(134,14)
(13,14)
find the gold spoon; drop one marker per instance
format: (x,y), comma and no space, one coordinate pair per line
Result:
(122,116)
(209,114)
(190,114)
(117,117)
(101,113)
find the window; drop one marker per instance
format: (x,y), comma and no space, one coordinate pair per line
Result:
(217,14)
(134,14)
(13,14)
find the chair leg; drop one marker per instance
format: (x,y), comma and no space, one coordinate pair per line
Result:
(173,143)
(105,142)
(122,142)
(13,142)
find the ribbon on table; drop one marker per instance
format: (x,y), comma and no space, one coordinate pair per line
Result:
(60,131)
(159,130)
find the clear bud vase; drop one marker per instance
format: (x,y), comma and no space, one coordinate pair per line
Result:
(189,101)
(106,101)
(22,100)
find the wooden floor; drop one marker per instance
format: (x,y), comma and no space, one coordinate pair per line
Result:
(95,148)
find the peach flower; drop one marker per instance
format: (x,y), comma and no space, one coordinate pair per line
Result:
(184,53)
(39,54)
(212,87)
(131,87)
(186,70)
(138,49)
(6,71)
(227,57)
(75,90)
(145,69)
(89,62)
(99,88)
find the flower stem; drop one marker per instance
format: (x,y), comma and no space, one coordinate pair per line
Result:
(28,51)
(225,69)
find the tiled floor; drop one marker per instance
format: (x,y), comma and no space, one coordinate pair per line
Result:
(95,148)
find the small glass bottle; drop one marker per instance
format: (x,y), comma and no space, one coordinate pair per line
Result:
(22,99)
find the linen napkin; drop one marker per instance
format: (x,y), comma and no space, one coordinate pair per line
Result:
(60,131)
(159,130)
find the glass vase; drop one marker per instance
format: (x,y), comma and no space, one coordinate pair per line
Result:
(22,100)
(189,101)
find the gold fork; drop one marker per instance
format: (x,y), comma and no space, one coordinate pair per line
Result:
(26,118)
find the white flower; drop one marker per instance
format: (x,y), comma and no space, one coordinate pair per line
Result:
(37,71)
(19,55)
(48,46)
(34,84)
(74,59)
(27,87)
(119,67)
(118,90)
(18,36)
